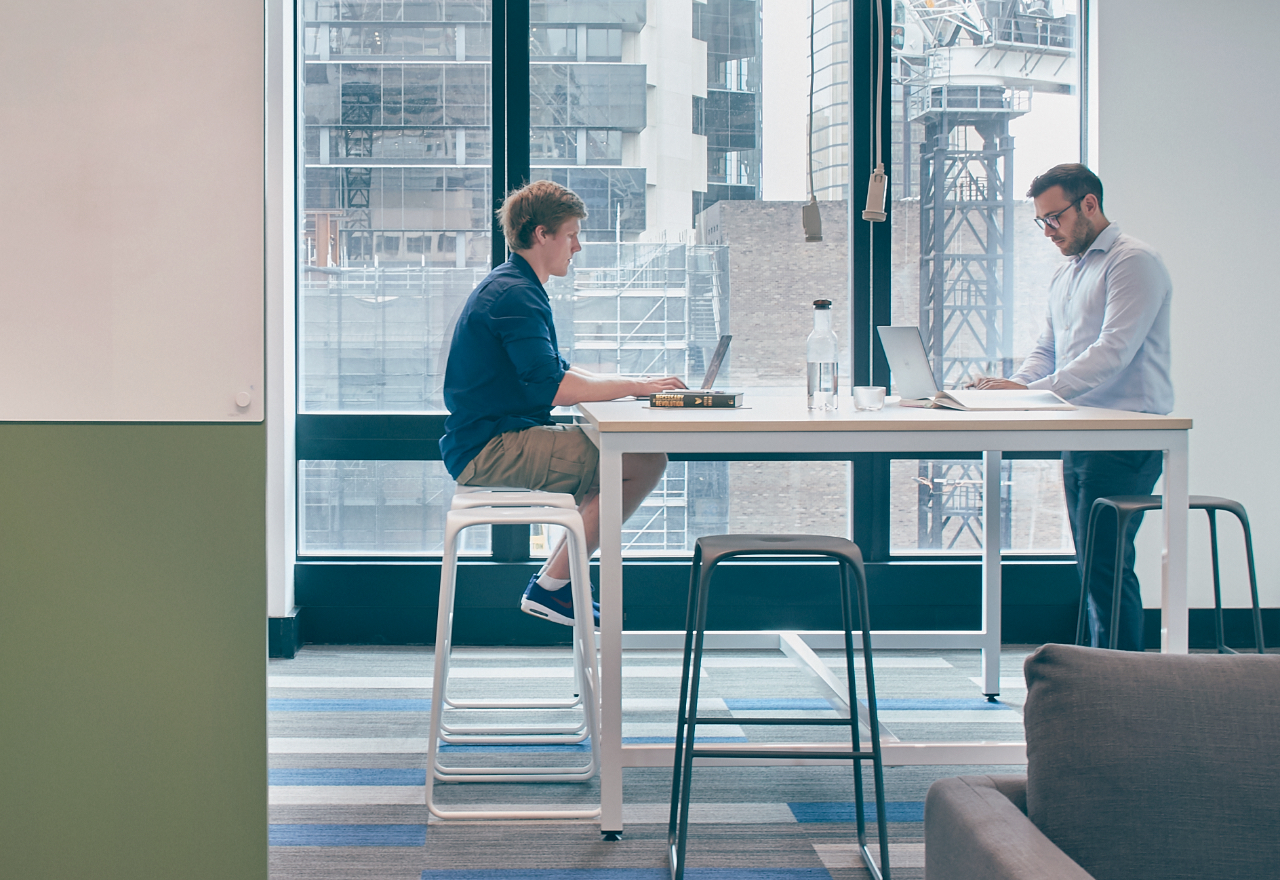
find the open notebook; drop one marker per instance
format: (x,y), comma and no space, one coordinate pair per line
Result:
(909,364)
(994,400)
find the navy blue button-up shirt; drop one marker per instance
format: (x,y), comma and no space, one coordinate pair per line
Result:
(504,364)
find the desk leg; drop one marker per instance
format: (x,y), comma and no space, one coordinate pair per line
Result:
(991,582)
(1173,594)
(610,641)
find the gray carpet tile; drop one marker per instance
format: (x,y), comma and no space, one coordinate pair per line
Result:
(348,726)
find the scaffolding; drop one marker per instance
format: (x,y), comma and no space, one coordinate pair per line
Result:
(653,308)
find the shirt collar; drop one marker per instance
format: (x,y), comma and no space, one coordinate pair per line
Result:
(1106,238)
(522,266)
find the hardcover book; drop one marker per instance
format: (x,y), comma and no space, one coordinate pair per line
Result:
(696,398)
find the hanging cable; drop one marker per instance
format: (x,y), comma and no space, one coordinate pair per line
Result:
(809,216)
(813,24)
(876,186)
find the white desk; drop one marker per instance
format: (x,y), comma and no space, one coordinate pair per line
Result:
(783,425)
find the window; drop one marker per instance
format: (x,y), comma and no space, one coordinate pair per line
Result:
(394,216)
(396,169)
(970,268)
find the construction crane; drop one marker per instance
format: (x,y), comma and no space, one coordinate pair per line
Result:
(966,69)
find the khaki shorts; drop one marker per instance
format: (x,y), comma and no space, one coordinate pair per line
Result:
(553,458)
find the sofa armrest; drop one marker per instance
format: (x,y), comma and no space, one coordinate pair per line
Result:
(975,830)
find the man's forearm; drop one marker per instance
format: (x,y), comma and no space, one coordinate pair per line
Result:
(582,387)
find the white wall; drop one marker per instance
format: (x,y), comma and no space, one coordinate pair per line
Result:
(1189,116)
(131,227)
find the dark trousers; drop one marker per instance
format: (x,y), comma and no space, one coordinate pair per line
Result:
(1087,476)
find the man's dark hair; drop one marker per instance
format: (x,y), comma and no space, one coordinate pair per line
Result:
(541,203)
(1076,181)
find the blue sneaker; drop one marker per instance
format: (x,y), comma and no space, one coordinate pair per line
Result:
(553,605)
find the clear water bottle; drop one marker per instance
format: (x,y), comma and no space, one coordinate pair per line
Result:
(821,354)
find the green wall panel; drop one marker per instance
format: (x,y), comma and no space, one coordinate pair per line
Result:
(132,641)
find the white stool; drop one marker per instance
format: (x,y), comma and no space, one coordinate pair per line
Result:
(501,496)
(497,506)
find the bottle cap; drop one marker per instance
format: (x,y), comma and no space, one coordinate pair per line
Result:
(822,303)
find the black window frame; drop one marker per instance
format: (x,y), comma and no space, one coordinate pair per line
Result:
(415,436)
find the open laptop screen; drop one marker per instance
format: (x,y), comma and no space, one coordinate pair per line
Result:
(904,349)
(713,365)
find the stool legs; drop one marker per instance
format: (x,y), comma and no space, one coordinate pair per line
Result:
(1125,508)
(678,823)
(873,719)
(1220,635)
(586,678)
(687,715)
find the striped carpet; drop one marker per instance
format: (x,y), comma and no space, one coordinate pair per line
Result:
(347,728)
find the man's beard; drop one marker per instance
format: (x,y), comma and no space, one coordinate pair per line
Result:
(1082,235)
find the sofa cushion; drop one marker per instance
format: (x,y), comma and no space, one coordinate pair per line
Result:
(1156,765)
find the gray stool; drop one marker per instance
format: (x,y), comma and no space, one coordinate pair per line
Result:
(707,554)
(1125,507)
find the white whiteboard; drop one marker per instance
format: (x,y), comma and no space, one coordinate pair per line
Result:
(131,277)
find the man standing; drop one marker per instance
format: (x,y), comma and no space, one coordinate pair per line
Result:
(1106,345)
(505,373)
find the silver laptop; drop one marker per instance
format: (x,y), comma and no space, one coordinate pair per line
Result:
(713,365)
(904,349)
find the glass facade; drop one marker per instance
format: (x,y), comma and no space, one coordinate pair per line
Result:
(729,116)
(395,232)
(395,176)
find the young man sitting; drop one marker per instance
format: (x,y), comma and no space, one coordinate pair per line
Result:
(505,373)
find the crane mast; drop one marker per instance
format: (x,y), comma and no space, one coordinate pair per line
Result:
(966,69)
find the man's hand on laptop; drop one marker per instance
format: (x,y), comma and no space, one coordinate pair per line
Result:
(654,384)
(988,383)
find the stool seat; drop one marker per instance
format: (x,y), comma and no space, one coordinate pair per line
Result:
(488,506)
(708,552)
(503,496)
(1147,503)
(717,547)
(1125,507)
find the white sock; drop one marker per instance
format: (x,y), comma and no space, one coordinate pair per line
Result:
(551,584)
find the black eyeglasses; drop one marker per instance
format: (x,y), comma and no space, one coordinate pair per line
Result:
(1053,221)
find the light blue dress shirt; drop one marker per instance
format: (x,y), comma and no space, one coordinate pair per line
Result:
(1107,339)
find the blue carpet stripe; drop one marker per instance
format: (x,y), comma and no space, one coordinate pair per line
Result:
(960,704)
(702,740)
(630,874)
(347,835)
(524,749)
(345,776)
(836,811)
(292,705)
(806,704)
(777,703)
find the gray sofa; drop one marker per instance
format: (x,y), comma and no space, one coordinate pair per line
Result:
(1138,766)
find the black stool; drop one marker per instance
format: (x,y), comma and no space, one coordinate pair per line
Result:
(707,554)
(1125,507)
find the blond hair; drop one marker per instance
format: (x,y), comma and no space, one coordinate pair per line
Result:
(541,203)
